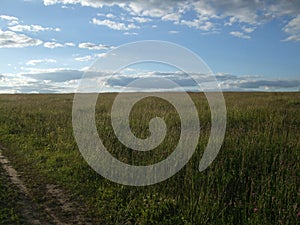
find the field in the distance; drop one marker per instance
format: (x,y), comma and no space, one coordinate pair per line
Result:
(253,180)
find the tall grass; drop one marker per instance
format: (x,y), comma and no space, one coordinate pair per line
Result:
(253,180)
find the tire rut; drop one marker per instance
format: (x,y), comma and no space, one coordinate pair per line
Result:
(57,209)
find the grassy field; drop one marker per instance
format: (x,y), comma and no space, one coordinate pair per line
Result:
(255,179)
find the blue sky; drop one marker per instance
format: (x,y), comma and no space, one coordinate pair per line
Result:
(45,46)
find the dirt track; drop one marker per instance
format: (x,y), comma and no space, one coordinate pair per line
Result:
(57,209)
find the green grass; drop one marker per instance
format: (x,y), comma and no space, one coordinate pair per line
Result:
(253,180)
(9,211)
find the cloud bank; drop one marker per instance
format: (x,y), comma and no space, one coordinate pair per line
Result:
(64,80)
(9,39)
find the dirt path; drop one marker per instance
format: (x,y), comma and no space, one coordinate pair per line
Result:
(57,209)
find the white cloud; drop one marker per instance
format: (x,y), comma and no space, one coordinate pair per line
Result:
(208,13)
(34,70)
(70,44)
(100,55)
(92,46)
(141,19)
(282,8)
(173,32)
(110,16)
(248,29)
(12,20)
(198,24)
(231,21)
(263,83)
(32,28)
(9,39)
(293,38)
(33,62)
(90,57)
(9,18)
(240,34)
(172,17)
(11,83)
(91,3)
(53,44)
(114,25)
(13,25)
(293,29)
(84,58)
(149,8)
(130,33)
(66,80)
(204,8)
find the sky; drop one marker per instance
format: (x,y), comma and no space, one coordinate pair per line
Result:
(250,45)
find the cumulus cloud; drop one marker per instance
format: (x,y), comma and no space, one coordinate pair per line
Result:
(62,76)
(90,57)
(225,76)
(282,8)
(53,44)
(9,39)
(130,33)
(109,15)
(141,19)
(14,25)
(152,79)
(32,28)
(9,18)
(209,13)
(18,83)
(69,44)
(248,29)
(92,46)
(67,80)
(114,25)
(84,58)
(172,17)
(54,74)
(293,29)
(226,81)
(294,37)
(12,20)
(148,82)
(270,84)
(91,3)
(240,34)
(34,62)
(254,83)
(198,24)
(13,83)
(173,32)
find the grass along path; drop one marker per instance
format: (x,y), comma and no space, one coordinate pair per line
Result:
(26,208)
(32,212)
